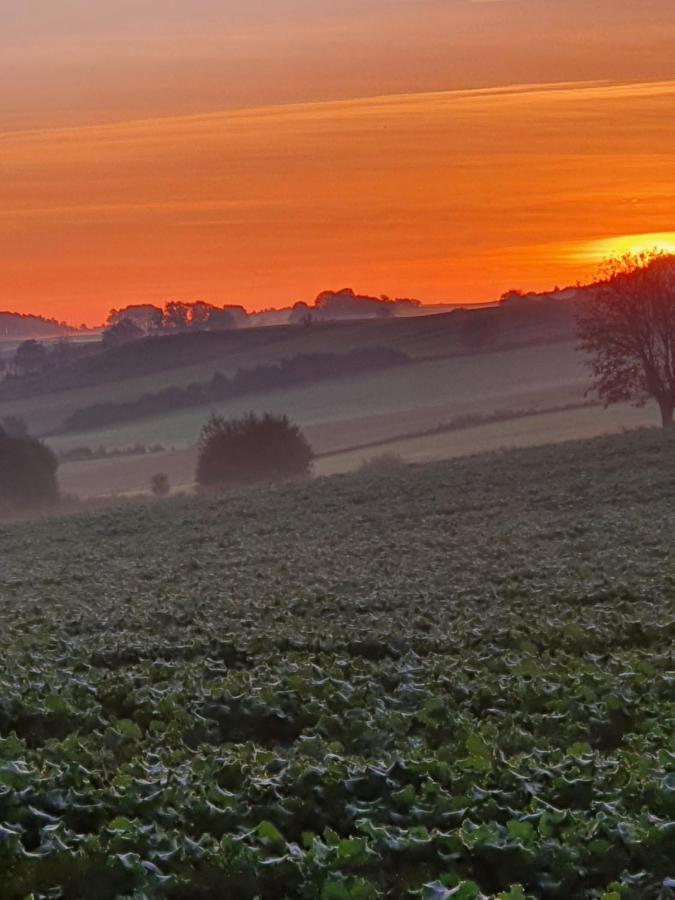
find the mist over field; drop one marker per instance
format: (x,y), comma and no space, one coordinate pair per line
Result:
(427,387)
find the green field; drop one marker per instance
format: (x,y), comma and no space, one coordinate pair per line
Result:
(443,682)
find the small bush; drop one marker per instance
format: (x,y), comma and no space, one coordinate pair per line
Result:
(252,449)
(27,473)
(381,464)
(159,485)
(14,426)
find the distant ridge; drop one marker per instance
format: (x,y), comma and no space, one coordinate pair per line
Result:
(20,326)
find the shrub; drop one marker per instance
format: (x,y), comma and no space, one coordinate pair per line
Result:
(14,426)
(123,332)
(31,356)
(381,464)
(27,473)
(159,485)
(252,449)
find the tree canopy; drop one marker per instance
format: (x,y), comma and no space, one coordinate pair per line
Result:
(27,473)
(31,356)
(627,326)
(251,449)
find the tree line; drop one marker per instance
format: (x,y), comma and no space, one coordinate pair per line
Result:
(305,368)
(176,317)
(141,320)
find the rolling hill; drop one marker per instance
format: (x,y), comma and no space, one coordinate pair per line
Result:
(477,380)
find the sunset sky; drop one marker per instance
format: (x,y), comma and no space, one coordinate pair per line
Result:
(259,151)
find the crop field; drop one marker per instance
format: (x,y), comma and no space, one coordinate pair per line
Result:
(536,429)
(444,387)
(131,475)
(453,680)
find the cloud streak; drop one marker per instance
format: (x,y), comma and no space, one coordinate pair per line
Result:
(441,194)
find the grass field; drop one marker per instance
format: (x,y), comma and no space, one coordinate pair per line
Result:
(348,412)
(521,431)
(127,372)
(447,681)
(376,410)
(131,475)
(534,366)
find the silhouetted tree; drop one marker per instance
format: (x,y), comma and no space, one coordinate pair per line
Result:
(31,356)
(513,294)
(206,317)
(346,304)
(237,313)
(27,473)
(251,449)
(149,318)
(199,315)
(177,316)
(628,327)
(124,332)
(221,319)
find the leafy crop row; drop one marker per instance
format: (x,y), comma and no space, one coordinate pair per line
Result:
(453,681)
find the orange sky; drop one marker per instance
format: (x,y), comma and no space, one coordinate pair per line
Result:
(259,152)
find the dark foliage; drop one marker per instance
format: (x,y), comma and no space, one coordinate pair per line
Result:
(346,304)
(160,485)
(122,332)
(302,369)
(628,329)
(36,367)
(19,325)
(176,316)
(251,449)
(27,473)
(31,356)
(145,316)
(84,454)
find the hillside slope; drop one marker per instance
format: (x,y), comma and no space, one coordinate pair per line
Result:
(350,412)
(178,359)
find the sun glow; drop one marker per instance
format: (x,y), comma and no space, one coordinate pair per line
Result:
(659,242)
(268,205)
